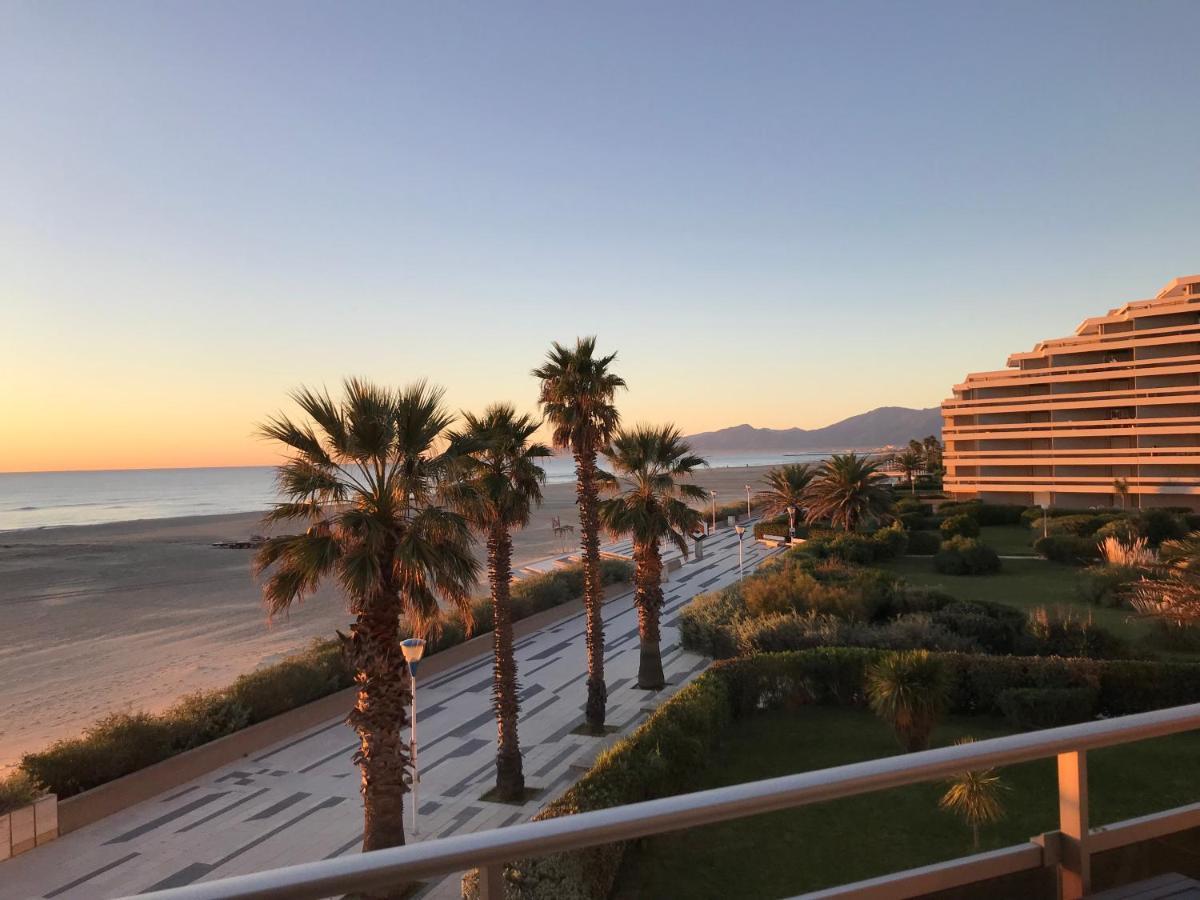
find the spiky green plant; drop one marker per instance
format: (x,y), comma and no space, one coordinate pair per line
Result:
(365,475)
(501,482)
(577,393)
(910,690)
(652,467)
(1171,590)
(975,797)
(848,491)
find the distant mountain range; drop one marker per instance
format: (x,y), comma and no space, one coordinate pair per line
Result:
(877,428)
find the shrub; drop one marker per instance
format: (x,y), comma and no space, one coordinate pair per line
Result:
(960,526)
(1104,585)
(1158,525)
(910,691)
(853,548)
(17,790)
(993,627)
(1066,548)
(890,542)
(704,623)
(924,543)
(966,556)
(1033,708)
(1061,631)
(1124,530)
(913,505)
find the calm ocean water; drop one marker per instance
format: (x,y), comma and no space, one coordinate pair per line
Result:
(51,499)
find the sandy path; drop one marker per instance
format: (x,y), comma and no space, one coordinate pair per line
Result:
(132,615)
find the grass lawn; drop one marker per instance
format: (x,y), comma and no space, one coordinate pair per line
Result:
(1024,583)
(1009,540)
(781,854)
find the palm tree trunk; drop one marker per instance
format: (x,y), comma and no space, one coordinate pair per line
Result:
(589,528)
(510,779)
(380,716)
(648,597)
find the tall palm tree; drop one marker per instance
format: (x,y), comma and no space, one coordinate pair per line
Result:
(364,473)
(975,797)
(501,484)
(785,486)
(576,396)
(848,491)
(652,506)
(911,463)
(909,689)
(933,450)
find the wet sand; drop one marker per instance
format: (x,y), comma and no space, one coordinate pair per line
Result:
(133,615)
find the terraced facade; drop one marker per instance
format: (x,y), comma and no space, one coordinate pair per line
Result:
(1107,417)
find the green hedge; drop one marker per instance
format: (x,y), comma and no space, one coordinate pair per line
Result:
(17,790)
(1067,548)
(966,556)
(960,525)
(126,742)
(662,756)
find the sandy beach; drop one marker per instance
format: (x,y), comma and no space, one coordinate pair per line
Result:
(133,615)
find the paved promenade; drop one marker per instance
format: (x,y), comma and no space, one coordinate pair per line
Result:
(299,801)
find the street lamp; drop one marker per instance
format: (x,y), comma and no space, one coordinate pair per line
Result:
(413,649)
(747,501)
(714,502)
(791,511)
(1045,516)
(740,529)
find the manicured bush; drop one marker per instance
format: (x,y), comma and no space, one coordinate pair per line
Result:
(924,543)
(890,542)
(853,548)
(1034,708)
(999,513)
(1104,585)
(913,505)
(993,627)
(1068,549)
(966,556)
(1158,525)
(960,525)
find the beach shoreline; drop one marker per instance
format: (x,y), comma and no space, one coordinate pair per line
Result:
(133,615)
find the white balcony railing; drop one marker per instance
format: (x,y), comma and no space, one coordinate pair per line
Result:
(1068,849)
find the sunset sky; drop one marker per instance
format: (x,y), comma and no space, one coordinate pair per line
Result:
(778,213)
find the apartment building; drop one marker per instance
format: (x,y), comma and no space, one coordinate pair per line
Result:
(1109,417)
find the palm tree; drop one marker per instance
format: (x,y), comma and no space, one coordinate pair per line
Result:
(1121,489)
(975,796)
(365,474)
(932,451)
(848,491)
(576,396)
(653,507)
(911,463)
(502,482)
(909,689)
(785,486)
(1171,592)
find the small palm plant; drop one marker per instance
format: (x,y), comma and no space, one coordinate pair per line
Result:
(785,486)
(651,465)
(909,690)
(500,484)
(912,463)
(577,392)
(366,475)
(1171,592)
(849,491)
(975,797)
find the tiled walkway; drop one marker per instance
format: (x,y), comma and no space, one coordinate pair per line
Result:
(299,801)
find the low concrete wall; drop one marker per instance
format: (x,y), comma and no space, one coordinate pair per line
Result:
(93,805)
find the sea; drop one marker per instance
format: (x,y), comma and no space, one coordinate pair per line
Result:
(55,499)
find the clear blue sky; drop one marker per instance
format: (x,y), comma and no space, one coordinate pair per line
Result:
(205,204)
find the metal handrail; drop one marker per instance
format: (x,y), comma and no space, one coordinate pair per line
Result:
(383,868)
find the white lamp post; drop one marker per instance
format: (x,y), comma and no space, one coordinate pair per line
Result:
(791,511)
(747,501)
(740,529)
(714,502)
(413,649)
(1045,516)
